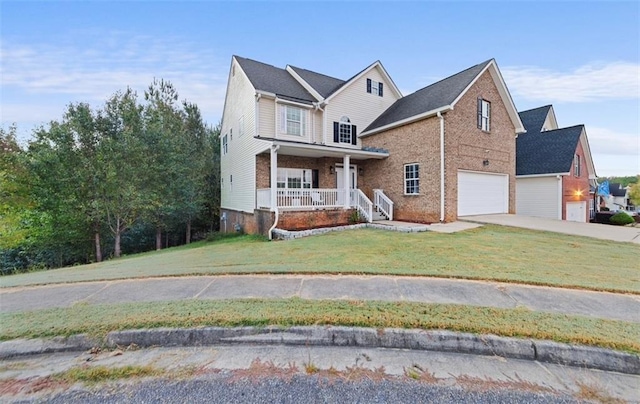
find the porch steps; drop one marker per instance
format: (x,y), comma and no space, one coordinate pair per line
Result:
(377,216)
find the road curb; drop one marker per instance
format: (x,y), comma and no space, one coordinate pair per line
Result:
(430,340)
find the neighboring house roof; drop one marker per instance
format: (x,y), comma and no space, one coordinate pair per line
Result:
(274,80)
(549,152)
(323,84)
(430,98)
(533,119)
(615,189)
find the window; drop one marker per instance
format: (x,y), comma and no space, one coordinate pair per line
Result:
(411,179)
(576,165)
(344,132)
(374,87)
(484,115)
(225,145)
(241,126)
(293,120)
(294,178)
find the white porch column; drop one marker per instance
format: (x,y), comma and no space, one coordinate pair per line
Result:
(346,173)
(274,177)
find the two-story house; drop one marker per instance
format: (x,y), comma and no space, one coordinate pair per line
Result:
(301,149)
(555,175)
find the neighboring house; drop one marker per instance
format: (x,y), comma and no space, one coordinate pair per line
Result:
(618,198)
(301,149)
(555,175)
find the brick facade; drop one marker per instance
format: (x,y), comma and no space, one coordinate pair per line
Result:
(466,148)
(576,189)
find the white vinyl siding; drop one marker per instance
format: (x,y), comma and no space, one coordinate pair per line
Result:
(239,162)
(482,193)
(361,108)
(539,197)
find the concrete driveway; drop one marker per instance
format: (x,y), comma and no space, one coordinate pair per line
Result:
(594,230)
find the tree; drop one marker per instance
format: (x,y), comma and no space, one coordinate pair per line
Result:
(163,129)
(121,155)
(14,196)
(634,193)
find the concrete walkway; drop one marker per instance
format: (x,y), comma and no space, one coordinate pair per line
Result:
(594,230)
(347,287)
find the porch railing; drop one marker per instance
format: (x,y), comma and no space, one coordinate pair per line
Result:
(360,201)
(302,198)
(382,203)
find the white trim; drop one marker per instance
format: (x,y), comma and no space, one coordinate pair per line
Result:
(541,175)
(289,102)
(406,121)
(362,73)
(324,148)
(404,175)
(304,84)
(559,204)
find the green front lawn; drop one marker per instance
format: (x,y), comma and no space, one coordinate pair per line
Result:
(487,253)
(98,320)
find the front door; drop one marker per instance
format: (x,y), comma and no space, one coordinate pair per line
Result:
(340,181)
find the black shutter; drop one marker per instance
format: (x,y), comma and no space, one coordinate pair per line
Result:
(354,139)
(314,178)
(380,89)
(479,113)
(336,132)
(369,86)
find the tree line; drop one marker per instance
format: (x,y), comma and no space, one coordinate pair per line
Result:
(132,175)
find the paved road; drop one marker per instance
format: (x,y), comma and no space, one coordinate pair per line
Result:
(346,287)
(593,230)
(232,373)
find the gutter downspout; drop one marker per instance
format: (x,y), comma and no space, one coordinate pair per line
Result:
(273,197)
(441,166)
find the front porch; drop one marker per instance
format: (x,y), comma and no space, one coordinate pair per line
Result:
(302,177)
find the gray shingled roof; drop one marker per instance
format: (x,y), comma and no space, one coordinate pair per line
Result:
(272,79)
(533,119)
(616,189)
(547,152)
(323,84)
(437,95)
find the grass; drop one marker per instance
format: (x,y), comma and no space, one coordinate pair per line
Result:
(96,374)
(98,320)
(486,253)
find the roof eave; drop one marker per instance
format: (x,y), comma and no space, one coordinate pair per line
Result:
(406,121)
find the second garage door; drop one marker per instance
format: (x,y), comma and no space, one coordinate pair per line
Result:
(482,193)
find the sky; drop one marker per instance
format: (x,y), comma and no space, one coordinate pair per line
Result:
(583,57)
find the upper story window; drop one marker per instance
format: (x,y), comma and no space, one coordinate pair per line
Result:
(293,120)
(225,145)
(374,87)
(411,179)
(344,131)
(576,165)
(484,115)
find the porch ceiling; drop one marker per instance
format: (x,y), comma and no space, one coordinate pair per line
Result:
(318,150)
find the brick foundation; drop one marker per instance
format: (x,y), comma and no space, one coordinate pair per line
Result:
(303,220)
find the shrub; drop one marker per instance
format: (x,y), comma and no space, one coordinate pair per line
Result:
(621,218)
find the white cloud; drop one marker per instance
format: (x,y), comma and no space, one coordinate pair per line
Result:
(112,62)
(607,141)
(592,82)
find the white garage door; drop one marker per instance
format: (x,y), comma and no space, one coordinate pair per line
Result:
(539,196)
(482,193)
(576,211)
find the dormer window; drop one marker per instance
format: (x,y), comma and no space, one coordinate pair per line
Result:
(374,87)
(344,132)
